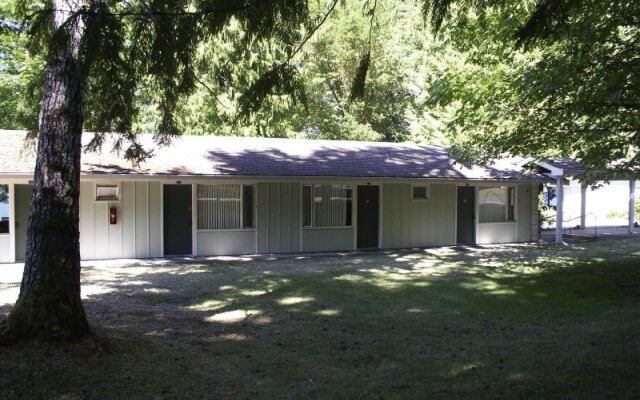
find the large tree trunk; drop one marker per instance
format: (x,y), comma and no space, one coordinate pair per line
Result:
(49,304)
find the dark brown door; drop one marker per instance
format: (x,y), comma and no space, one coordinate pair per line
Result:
(177,220)
(368,214)
(466,215)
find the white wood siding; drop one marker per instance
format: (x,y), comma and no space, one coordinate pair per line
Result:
(404,222)
(137,232)
(6,255)
(213,243)
(499,232)
(279,217)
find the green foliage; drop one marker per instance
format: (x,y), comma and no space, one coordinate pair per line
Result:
(619,214)
(4,193)
(360,75)
(138,55)
(366,71)
(541,79)
(382,51)
(572,90)
(20,73)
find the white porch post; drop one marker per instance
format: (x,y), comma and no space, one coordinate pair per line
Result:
(632,196)
(583,206)
(559,201)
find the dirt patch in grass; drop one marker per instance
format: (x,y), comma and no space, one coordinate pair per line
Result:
(503,322)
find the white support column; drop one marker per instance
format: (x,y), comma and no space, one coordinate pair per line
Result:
(632,197)
(559,201)
(583,206)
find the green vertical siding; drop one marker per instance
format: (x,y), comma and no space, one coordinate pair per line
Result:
(128,217)
(279,217)
(418,223)
(86,221)
(534,225)
(327,239)
(212,243)
(141,210)
(263,217)
(155,217)
(523,215)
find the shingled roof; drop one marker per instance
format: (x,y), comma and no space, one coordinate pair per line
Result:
(566,164)
(265,157)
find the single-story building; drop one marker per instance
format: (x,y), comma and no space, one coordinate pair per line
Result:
(207,195)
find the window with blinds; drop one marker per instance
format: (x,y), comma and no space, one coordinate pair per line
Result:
(327,205)
(226,206)
(496,204)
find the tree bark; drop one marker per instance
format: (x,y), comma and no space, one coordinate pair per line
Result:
(49,303)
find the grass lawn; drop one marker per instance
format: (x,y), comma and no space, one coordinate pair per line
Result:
(508,322)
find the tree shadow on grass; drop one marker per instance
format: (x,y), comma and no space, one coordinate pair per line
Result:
(507,322)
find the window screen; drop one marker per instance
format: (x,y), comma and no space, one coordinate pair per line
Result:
(219,206)
(496,204)
(226,206)
(327,205)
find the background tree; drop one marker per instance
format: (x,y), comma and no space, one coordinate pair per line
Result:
(97,54)
(20,74)
(557,79)
(402,57)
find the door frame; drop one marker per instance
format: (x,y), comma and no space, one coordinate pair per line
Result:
(379,216)
(475,212)
(193,221)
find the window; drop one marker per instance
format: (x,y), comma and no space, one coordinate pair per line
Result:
(496,204)
(4,209)
(106,192)
(225,206)
(420,192)
(326,205)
